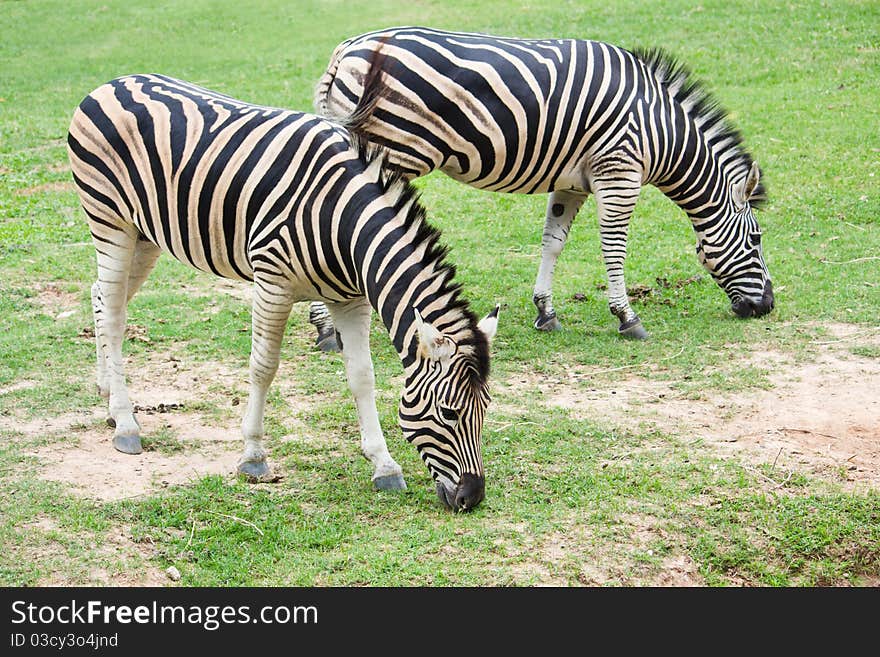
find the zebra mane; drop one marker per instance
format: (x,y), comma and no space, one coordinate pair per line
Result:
(699,103)
(406,195)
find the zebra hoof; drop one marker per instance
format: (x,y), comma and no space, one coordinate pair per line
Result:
(389,482)
(127,444)
(633,330)
(257,472)
(326,342)
(544,323)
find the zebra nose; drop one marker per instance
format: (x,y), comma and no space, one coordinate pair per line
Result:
(743,308)
(767,300)
(470,492)
(747,308)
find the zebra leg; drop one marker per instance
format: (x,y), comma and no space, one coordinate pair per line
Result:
(320,318)
(562,207)
(352,321)
(103,377)
(615,200)
(109,300)
(145,255)
(271,308)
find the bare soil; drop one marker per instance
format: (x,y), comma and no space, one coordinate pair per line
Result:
(821,417)
(59,186)
(180,443)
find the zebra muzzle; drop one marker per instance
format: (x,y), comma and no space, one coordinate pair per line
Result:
(469,492)
(745,307)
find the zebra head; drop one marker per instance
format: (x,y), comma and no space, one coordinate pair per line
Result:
(729,247)
(443,406)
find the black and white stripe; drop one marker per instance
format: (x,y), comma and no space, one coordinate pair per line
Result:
(569,118)
(283,199)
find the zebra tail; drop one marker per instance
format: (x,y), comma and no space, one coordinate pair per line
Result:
(373,91)
(322,89)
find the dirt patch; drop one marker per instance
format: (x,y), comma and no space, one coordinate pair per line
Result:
(678,570)
(55,301)
(18,385)
(123,561)
(92,468)
(241,290)
(822,416)
(57,186)
(180,444)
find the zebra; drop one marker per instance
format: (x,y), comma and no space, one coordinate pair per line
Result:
(566,117)
(292,203)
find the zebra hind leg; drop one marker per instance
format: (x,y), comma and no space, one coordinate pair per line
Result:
(320,318)
(561,210)
(271,308)
(352,320)
(102,381)
(145,255)
(116,260)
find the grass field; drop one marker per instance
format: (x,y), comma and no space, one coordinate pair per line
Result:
(609,462)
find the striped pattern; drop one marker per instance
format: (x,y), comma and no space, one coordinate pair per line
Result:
(430,402)
(283,199)
(565,117)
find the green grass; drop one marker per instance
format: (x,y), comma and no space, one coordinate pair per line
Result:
(569,501)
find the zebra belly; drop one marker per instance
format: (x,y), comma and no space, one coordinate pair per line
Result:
(221,269)
(573,180)
(295,283)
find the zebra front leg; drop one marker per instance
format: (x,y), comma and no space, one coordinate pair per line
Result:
(320,318)
(615,201)
(561,209)
(270,310)
(352,320)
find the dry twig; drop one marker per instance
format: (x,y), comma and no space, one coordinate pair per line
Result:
(852,336)
(237,519)
(815,433)
(504,425)
(773,467)
(853,225)
(626,367)
(776,484)
(191,532)
(848,262)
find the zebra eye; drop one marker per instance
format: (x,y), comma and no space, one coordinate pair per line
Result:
(755,239)
(449,415)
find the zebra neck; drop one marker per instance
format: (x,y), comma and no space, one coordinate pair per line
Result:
(700,184)
(697,164)
(428,291)
(403,270)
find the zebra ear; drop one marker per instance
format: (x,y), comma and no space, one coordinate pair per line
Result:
(433,345)
(742,191)
(489,324)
